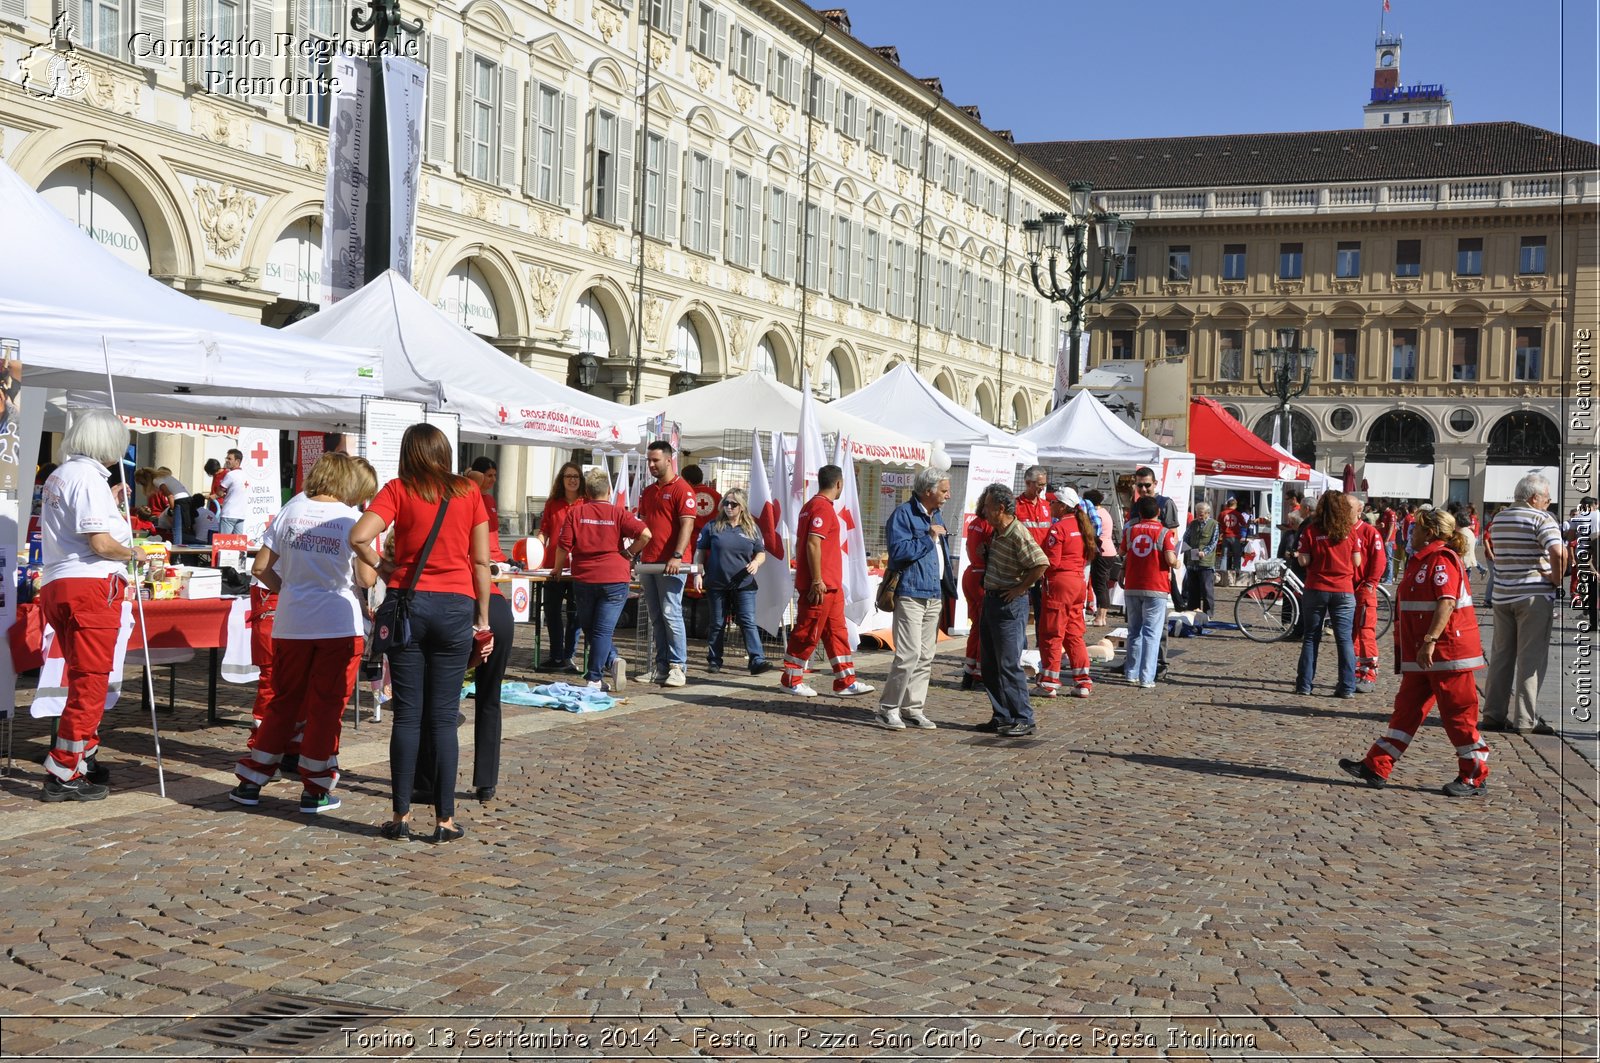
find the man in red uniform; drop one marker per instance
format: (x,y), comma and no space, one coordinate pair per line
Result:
(1438,648)
(979,532)
(1033,512)
(819,576)
(1234,532)
(1371,561)
(1067,551)
(668,509)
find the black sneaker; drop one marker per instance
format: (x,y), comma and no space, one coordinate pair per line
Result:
(1359,769)
(79,789)
(96,772)
(761,667)
(1462,788)
(246,793)
(312,804)
(1542,728)
(1016,730)
(289,766)
(990,726)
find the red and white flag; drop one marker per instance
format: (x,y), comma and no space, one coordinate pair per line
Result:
(774,581)
(621,488)
(809,456)
(858,596)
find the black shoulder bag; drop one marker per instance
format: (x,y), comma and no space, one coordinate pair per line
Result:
(391,625)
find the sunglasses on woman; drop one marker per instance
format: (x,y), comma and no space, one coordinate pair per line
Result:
(730,505)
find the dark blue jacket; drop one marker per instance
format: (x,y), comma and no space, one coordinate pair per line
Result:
(911,548)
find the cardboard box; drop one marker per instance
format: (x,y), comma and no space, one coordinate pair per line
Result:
(201,583)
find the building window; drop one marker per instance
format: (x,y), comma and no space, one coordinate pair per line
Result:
(848,119)
(843,231)
(872,271)
(1233,262)
(686,345)
(819,100)
(1345,349)
(700,188)
(1347,262)
(1175,342)
(744,243)
(1122,344)
(878,129)
(1130,267)
(610,167)
(1529,354)
(1530,258)
(1291,261)
(1462,421)
(224,27)
(749,56)
(477,119)
(1408,258)
(102,28)
(782,210)
(783,77)
(324,20)
(816,248)
(710,34)
(1403,364)
(552,145)
(1469,256)
(1342,419)
(654,189)
(897,278)
(1230,352)
(1178,263)
(665,16)
(1464,354)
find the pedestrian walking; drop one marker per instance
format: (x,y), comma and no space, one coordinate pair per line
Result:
(1327,549)
(819,577)
(1437,642)
(919,551)
(1015,563)
(1068,549)
(1524,543)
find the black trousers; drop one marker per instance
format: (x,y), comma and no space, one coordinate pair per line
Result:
(485,708)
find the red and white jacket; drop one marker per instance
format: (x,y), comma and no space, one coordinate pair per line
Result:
(1436,572)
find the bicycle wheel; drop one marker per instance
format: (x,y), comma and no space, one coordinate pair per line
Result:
(1265,612)
(1385,610)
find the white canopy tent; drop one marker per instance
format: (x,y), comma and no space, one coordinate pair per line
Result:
(62,295)
(426,358)
(904,401)
(1083,431)
(752,401)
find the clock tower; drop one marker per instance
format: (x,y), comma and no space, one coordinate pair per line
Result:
(1393,103)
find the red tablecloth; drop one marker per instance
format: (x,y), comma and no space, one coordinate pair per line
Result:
(177,623)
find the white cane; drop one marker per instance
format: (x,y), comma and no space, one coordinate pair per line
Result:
(138,600)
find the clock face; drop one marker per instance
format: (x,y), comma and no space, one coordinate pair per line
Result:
(1386,58)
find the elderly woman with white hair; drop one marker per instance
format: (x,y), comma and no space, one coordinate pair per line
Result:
(86,547)
(919,552)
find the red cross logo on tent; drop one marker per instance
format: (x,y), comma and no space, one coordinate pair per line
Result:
(502,415)
(261,454)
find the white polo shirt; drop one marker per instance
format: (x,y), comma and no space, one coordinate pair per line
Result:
(76,504)
(312,544)
(236,492)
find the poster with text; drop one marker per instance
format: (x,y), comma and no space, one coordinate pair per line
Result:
(383,422)
(263,480)
(985,466)
(25,423)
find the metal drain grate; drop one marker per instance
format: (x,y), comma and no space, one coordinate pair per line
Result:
(278,1021)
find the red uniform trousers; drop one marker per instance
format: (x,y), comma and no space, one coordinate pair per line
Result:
(972,591)
(1457,695)
(822,623)
(1061,621)
(315,678)
(87,616)
(263,607)
(1366,633)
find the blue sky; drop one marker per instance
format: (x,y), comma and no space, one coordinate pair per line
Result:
(1158,68)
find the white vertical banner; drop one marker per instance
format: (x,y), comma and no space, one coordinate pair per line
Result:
(985,466)
(20,426)
(405,90)
(263,482)
(774,580)
(857,587)
(1060,394)
(344,218)
(450,425)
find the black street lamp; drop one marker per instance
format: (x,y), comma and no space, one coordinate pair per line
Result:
(1045,235)
(1289,366)
(586,371)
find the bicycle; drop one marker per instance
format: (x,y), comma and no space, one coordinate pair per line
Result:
(1268,610)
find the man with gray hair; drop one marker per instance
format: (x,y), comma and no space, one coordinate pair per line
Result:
(919,550)
(1524,542)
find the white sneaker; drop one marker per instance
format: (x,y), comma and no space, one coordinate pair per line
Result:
(1044,692)
(619,673)
(856,689)
(887,718)
(801,691)
(1080,692)
(599,685)
(675,676)
(921,722)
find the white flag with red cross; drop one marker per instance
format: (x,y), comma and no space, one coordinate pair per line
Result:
(858,596)
(774,581)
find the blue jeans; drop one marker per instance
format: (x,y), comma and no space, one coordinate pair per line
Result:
(1003,633)
(427,676)
(599,606)
(1317,606)
(663,599)
(1146,617)
(560,618)
(744,611)
(230,525)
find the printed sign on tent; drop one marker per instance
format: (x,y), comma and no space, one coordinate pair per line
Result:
(263,480)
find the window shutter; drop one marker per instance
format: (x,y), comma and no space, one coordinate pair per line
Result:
(774,241)
(855,261)
(720,49)
(506,135)
(193,27)
(438,94)
(771,80)
(258,17)
(622,209)
(677,19)
(65,14)
(569,150)
(687,235)
(719,179)
(759,76)
(674,183)
(464,100)
(150,18)
(753,229)
(591,165)
(530,157)
(791,233)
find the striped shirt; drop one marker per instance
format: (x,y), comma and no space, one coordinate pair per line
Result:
(1012,553)
(1520,537)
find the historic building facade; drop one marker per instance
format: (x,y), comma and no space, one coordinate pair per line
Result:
(677,189)
(1446,276)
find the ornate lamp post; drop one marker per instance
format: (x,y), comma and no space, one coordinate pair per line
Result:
(1284,372)
(1053,237)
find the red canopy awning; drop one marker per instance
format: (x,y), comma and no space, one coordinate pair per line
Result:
(1224,447)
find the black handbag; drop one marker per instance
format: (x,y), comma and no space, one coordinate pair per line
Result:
(391,624)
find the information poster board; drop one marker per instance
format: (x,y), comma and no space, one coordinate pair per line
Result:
(23,420)
(383,422)
(985,466)
(450,425)
(263,479)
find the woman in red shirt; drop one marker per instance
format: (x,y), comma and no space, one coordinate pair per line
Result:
(593,539)
(559,608)
(1327,549)
(449,602)
(1070,545)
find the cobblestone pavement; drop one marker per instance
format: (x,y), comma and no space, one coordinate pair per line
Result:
(1175,873)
